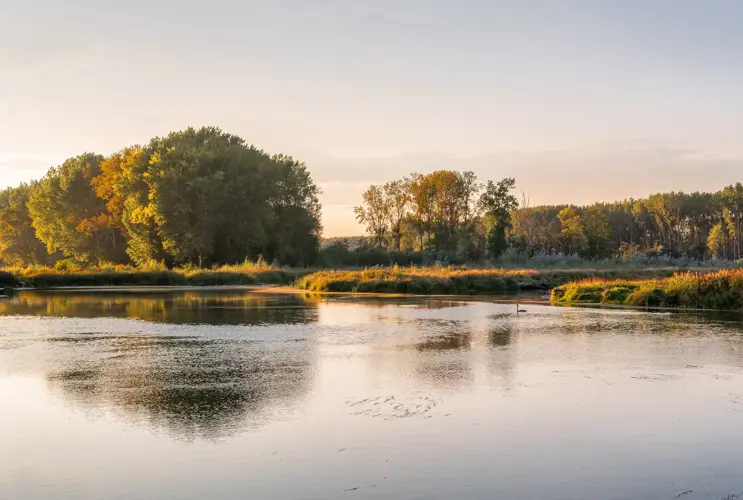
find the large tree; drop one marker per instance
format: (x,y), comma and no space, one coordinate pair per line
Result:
(70,218)
(295,228)
(123,183)
(18,242)
(498,202)
(207,197)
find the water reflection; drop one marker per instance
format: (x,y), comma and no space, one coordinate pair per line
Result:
(215,307)
(500,335)
(189,387)
(172,372)
(454,336)
(423,398)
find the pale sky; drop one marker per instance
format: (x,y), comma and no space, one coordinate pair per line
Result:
(579,100)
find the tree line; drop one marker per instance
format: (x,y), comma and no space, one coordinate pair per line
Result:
(452,211)
(698,225)
(446,210)
(195,197)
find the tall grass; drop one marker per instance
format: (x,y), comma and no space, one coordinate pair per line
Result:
(419,280)
(580,285)
(458,280)
(715,290)
(154,274)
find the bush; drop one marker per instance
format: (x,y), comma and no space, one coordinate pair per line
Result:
(715,290)
(247,273)
(67,265)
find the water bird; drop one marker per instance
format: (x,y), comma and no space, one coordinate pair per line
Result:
(519,310)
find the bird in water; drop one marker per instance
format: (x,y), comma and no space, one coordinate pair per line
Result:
(519,310)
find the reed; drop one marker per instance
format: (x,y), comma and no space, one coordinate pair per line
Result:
(713,290)
(459,280)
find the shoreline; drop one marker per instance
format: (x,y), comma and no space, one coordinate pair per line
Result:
(661,289)
(527,298)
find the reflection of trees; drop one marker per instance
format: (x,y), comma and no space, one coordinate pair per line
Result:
(190,387)
(431,352)
(499,335)
(453,336)
(500,357)
(441,361)
(204,307)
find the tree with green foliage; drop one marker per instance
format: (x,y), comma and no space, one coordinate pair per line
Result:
(374,214)
(597,232)
(295,231)
(70,218)
(572,230)
(716,241)
(498,202)
(423,191)
(731,198)
(397,195)
(731,231)
(18,242)
(202,196)
(123,184)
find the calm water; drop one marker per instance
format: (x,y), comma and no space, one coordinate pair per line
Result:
(241,395)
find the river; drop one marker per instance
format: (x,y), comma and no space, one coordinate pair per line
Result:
(143,394)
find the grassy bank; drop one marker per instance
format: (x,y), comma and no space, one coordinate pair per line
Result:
(448,280)
(40,277)
(574,285)
(714,290)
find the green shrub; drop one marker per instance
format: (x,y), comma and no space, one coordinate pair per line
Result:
(717,290)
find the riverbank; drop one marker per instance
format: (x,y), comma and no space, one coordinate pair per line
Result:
(722,290)
(457,281)
(121,277)
(577,285)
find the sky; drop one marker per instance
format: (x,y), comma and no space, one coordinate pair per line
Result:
(579,100)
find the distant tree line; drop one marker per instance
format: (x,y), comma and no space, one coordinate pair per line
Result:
(196,197)
(446,211)
(699,225)
(451,211)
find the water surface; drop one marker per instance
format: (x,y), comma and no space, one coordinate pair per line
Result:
(233,395)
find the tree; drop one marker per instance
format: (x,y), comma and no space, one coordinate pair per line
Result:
(572,229)
(732,233)
(423,196)
(294,234)
(597,231)
(202,196)
(497,202)
(374,214)
(471,222)
(69,217)
(716,240)
(397,196)
(18,242)
(732,200)
(449,191)
(123,183)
